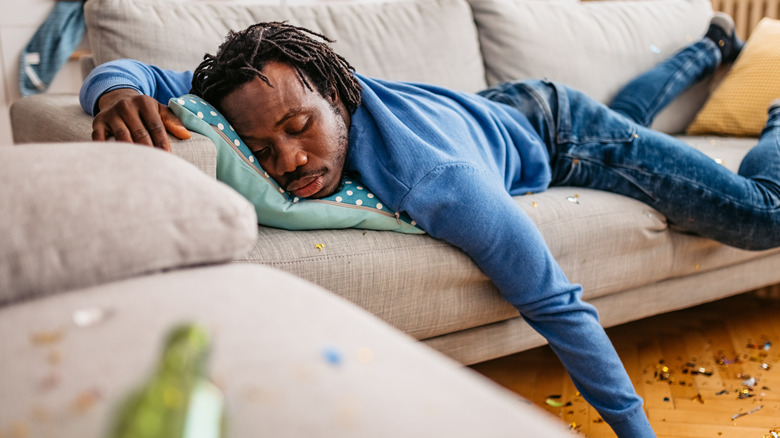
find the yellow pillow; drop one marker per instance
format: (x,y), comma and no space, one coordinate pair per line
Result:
(738,105)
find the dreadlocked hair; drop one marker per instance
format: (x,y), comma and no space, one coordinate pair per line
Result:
(243,55)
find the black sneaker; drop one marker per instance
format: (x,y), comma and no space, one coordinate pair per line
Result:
(722,32)
(774,105)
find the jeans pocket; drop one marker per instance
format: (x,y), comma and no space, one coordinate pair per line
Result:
(582,119)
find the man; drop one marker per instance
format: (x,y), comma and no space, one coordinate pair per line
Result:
(453,161)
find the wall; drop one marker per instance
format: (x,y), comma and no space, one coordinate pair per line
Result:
(747,13)
(18,22)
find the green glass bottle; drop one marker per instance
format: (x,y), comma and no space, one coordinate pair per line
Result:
(177,401)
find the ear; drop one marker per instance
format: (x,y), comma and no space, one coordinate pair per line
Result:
(335,101)
(333,96)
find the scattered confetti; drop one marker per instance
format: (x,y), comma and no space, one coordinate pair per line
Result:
(20,430)
(534,204)
(736,382)
(51,381)
(86,400)
(40,414)
(333,356)
(554,403)
(574,199)
(365,355)
(55,357)
(319,246)
(46,338)
(90,316)
(662,371)
(655,49)
(742,414)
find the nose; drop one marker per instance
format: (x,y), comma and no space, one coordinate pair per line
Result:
(289,158)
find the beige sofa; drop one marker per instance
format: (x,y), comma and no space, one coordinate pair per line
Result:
(107,247)
(631,263)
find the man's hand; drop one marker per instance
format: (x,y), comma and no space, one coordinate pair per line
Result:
(136,118)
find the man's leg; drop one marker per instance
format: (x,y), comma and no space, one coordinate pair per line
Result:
(645,96)
(688,187)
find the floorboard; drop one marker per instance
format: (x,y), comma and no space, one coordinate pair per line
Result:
(708,371)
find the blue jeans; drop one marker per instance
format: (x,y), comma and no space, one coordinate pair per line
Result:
(612,149)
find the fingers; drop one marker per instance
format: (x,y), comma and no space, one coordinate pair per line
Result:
(131,117)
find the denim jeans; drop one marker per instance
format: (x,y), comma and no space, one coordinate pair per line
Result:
(612,148)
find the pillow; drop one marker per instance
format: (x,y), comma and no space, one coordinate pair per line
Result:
(81,214)
(595,47)
(738,105)
(351,207)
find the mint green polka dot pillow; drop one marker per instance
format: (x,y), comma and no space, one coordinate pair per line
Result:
(351,207)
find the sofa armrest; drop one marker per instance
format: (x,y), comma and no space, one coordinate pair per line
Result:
(55,118)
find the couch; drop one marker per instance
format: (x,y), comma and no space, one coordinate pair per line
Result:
(108,247)
(631,263)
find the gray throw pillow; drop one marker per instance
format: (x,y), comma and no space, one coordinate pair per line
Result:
(80,214)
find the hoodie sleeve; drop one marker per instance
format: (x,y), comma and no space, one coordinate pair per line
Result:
(471,209)
(126,73)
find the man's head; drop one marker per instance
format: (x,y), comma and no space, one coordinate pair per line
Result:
(289,97)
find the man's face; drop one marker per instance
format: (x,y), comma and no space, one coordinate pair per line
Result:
(298,136)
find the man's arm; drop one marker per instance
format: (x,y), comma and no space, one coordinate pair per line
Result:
(472,210)
(128,99)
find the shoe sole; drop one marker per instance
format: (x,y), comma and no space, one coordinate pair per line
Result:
(725,22)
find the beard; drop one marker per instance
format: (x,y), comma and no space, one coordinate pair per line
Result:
(342,142)
(339,159)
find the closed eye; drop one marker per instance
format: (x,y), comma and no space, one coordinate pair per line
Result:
(258,150)
(299,131)
(261,152)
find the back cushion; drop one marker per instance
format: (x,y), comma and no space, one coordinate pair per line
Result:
(594,46)
(432,41)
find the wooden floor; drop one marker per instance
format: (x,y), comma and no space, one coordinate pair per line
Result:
(692,367)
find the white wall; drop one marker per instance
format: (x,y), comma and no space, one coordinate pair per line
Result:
(19,19)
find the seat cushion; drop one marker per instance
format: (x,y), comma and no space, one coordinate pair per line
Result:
(605,242)
(291,359)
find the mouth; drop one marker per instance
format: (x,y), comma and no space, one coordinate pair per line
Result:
(307,186)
